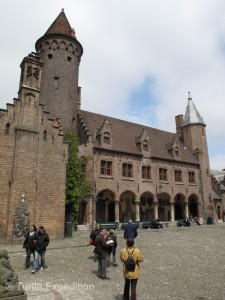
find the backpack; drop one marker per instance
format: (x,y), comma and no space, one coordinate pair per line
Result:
(130,263)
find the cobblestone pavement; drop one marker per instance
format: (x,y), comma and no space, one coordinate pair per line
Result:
(179,263)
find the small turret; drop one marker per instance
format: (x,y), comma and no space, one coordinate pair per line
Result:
(60,52)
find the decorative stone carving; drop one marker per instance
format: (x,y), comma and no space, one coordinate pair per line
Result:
(21,221)
(9,284)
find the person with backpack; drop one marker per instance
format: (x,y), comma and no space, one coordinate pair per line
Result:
(131,257)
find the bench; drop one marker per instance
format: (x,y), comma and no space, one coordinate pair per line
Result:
(182,222)
(147,224)
(151,224)
(108,225)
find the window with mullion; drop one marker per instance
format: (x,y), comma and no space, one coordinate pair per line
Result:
(191,177)
(106,168)
(162,174)
(178,176)
(127,170)
(146,172)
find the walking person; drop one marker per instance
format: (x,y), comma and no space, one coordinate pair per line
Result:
(112,236)
(29,244)
(130,230)
(102,247)
(40,249)
(131,277)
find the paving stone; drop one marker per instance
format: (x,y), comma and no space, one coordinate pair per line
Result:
(179,263)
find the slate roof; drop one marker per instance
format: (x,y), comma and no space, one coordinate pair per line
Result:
(192,115)
(125,133)
(61,25)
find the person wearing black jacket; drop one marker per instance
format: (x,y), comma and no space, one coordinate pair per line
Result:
(30,244)
(93,235)
(40,249)
(130,231)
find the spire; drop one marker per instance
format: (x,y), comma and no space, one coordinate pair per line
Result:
(192,116)
(61,26)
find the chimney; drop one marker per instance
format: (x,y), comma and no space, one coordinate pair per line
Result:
(179,123)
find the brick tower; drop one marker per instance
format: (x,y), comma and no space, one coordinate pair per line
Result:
(60,52)
(194,136)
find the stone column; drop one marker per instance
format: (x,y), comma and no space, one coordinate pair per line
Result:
(186,213)
(199,210)
(172,211)
(137,211)
(92,204)
(155,203)
(117,212)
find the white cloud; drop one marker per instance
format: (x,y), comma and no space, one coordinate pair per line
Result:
(179,43)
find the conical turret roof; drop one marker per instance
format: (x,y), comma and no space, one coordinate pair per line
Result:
(192,115)
(61,26)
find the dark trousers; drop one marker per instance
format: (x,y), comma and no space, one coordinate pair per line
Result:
(102,268)
(28,253)
(130,283)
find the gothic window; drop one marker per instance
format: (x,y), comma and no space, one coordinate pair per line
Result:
(127,170)
(69,58)
(106,168)
(146,172)
(191,177)
(7,128)
(106,138)
(56,82)
(163,174)
(178,175)
(145,146)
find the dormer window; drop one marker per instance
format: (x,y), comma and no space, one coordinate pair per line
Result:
(176,152)
(106,138)
(145,146)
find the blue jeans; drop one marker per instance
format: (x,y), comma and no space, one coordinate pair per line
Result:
(37,254)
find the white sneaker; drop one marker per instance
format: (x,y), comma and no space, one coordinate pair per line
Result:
(42,268)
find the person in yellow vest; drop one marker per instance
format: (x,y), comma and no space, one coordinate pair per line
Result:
(131,275)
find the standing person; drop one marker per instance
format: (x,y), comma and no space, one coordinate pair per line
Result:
(29,244)
(102,251)
(112,236)
(131,277)
(93,235)
(40,249)
(130,230)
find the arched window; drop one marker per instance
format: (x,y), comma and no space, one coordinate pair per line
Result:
(106,138)
(145,145)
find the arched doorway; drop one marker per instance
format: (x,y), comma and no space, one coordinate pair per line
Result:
(193,206)
(105,206)
(179,207)
(164,206)
(127,200)
(146,207)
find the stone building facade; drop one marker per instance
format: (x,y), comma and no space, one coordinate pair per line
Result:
(136,171)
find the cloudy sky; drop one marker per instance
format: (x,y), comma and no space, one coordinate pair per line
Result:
(141,58)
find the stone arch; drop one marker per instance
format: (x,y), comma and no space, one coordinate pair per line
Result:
(164,213)
(70,48)
(46,45)
(146,207)
(127,206)
(54,44)
(62,45)
(179,206)
(193,205)
(105,201)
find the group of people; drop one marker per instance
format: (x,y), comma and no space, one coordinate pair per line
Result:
(105,244)
(36,243)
